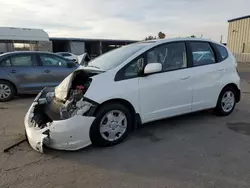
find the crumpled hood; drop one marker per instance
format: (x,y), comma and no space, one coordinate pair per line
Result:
(62,90)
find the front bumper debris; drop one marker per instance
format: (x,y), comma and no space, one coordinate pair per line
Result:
(66,134)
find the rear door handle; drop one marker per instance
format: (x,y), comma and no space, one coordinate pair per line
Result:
(185,78)
(47,71)
(13,71)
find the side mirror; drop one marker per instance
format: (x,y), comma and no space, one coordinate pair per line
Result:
(70,64)
(152,68)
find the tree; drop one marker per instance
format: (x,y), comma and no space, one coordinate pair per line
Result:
(161,35)
(150,37)
(193,36)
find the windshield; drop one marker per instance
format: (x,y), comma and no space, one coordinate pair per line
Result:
(115,57)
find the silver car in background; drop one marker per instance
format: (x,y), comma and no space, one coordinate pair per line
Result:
(30,72)
(69,56)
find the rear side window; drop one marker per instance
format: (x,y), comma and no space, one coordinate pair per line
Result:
(5,63)
(202,53)
(21,60)
(222,51)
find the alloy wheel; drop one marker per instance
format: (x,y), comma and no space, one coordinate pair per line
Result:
(113,125)
(5,91)
(228,101)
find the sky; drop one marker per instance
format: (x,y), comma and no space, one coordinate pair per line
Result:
(124,19)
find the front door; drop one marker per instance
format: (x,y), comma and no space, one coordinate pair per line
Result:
(55,69)
(167,93)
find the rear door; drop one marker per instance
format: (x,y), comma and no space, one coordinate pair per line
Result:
(24,72)
(207,73)
(55,68)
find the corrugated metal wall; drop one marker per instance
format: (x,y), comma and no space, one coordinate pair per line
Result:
(77,48)
(238,34)
(3,47)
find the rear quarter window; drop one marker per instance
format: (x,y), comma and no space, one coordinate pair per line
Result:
(222,52)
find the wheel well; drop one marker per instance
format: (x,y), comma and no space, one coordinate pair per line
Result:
(235,87)
(128,105)
(14,86)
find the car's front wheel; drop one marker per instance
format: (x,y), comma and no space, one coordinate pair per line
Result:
(7,91)
(226,101)
(112,124)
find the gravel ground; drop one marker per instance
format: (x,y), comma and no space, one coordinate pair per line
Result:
(191,151)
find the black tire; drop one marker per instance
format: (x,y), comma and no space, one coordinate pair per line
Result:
(95,135)
(219,109)
(12,91)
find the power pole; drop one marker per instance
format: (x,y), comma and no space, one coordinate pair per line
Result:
(221,37)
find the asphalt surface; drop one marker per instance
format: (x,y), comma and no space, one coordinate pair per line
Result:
(192,151)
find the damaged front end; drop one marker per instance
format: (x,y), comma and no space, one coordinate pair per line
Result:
(61,117)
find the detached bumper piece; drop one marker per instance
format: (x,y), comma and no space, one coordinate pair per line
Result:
(70,134)
(67,133)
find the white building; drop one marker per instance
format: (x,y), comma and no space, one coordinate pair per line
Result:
(14,39)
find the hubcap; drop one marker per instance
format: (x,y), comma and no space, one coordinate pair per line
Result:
(228,101)
(113,125)
(4,91)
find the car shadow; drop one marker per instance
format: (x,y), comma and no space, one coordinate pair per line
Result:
(25,96)
(148,147)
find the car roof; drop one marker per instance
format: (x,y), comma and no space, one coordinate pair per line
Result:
(26,52)
(62,52)
(158,41)
(4,55)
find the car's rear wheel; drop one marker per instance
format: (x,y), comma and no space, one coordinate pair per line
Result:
(112,124)
(226,101)
(7,91)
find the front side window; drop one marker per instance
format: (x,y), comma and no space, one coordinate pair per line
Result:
(54,61)
(134,68)
(202,53)
(131,70)
(172,56)
(21,60)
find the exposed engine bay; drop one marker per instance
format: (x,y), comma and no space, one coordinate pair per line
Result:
(51,108)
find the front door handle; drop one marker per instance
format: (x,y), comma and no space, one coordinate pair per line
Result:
(185,78)
(47,71)
(13,71)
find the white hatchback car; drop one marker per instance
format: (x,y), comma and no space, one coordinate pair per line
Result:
(137,83)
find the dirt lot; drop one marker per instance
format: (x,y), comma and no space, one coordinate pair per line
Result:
(192,151)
